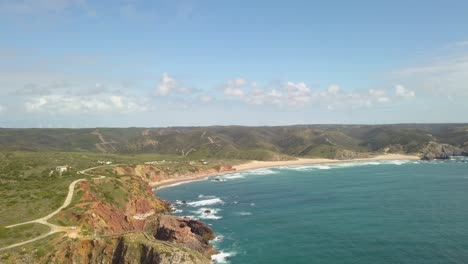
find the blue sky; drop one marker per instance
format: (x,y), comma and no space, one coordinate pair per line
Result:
(79,63)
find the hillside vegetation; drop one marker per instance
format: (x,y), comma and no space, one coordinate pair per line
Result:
(236,142)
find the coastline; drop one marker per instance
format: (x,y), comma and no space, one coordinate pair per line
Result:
(252,165)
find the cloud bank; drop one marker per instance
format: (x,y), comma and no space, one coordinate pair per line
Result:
(65,104)
(299,94)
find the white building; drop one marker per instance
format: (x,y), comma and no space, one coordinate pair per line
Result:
(62,169)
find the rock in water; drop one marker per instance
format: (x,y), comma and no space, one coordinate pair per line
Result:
(191,233)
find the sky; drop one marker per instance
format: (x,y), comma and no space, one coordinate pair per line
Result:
(135,63)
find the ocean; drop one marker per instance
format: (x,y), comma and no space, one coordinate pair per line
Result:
(360,212)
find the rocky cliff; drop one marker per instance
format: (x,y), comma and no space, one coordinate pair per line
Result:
(435,150)
(153,174)
(129,248)
(119,220)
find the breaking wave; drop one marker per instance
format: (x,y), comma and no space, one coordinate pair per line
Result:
(240,175)
(234,176)
(205,202)
(347,165)
(222,257)
(208,213)
(218,239)
(206,196)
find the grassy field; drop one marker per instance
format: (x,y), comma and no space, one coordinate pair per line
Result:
(17,234)
(28,191)
(108,190)
(29,253)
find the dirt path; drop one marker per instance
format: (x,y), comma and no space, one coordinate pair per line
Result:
(43,220)
(102,146)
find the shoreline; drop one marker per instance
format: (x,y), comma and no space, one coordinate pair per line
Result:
(253,165)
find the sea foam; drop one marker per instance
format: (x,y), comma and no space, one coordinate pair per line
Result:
(241,175)
(234,176)
(201,213)
(222,257)
(206,202)
(346,165)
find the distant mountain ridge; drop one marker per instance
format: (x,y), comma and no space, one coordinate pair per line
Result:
(240,142)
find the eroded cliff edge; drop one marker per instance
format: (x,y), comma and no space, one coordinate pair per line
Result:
(119,220)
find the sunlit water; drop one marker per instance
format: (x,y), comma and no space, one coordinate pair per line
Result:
(375,212)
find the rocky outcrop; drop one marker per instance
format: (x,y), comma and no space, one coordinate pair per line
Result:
(131,248)
(191,233)
(118,219)
(121,221)
(113,206)
(436,150)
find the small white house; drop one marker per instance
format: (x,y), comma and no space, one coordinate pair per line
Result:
(61,169)
(104,162)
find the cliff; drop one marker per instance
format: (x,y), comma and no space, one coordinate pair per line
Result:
(119,220)
(130,248)
(154,174)
(435,150)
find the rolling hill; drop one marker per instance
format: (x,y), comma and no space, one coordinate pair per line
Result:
(239,142)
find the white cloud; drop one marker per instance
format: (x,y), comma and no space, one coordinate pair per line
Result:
(334,89)
(261,97)
(1,108)
(235,87)
(299,94)
(379,96)
(64,104)
(335,98)
(233,91)
(401,91)
(443,77)
(168,85)
(289,93)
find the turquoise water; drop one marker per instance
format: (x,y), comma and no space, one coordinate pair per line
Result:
(377,212)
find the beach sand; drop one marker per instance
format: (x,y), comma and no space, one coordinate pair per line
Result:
(251,165)
(267,164)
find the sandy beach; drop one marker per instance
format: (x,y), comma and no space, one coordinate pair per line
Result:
(269,164)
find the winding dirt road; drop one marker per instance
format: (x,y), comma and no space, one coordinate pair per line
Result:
(43,220)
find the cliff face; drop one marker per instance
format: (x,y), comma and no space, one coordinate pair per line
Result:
(191,233)
(131,248)
(436,150)
(119,220)
(152,174)
(112,206)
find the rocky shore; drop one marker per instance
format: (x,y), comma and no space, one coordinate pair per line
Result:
(436,150)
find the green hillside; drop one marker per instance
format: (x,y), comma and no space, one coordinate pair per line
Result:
(238,142)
